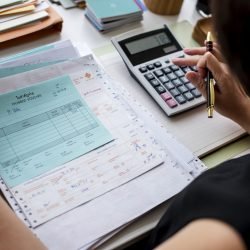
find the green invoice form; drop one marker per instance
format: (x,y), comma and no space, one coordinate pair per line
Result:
(44,126)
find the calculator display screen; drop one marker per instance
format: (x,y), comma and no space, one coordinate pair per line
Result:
(150,45)
(147,43)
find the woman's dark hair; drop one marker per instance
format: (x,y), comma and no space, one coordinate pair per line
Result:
(232,25)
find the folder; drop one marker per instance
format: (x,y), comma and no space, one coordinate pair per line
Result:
(32,32)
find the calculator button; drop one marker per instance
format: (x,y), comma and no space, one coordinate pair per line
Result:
(169,85)
(177,82)
(158,73)
(184,80)
(154,83)
(167,70)
(149,76)
(171,103)
(183,89)
(167,61)
(157,64)
(188,96)
(166,96)
(171,76)
(175,92)
(185,69)
(196,93)
(163,79)
(174,67)
(180,99)
(190,86)
(182,56)
(160,89)
(150,66)
(143,69)
(179,73)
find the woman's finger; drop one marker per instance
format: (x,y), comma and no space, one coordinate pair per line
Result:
(209,61)
(202,50)
(195,51)
(197,81)
(186,61)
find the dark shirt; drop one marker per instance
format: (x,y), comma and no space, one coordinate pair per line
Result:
(221,193)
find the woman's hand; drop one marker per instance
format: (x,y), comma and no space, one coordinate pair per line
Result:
(230,98)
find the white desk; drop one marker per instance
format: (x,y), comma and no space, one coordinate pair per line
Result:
(79,30)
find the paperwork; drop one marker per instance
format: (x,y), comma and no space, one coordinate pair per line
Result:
(39,130)
(133,152)
(40,57)
(109,186)
(5,3)
(15,23)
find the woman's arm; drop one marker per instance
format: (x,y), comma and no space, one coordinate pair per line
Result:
(205,234)
(14,234)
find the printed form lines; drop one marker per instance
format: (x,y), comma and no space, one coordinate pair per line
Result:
(31,136)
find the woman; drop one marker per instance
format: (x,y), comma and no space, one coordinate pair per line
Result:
(14,235)
(213,212)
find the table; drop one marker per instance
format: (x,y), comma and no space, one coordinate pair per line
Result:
(79,30)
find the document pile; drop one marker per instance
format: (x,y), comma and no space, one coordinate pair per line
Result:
(16,13)
(76,149)
(109,14)
(21,20)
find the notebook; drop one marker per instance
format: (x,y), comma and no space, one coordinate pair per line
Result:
(109,10)
(112,24)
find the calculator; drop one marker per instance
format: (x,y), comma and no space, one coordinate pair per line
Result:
(147,56)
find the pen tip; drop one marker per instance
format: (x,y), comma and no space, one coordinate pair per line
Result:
(210,112)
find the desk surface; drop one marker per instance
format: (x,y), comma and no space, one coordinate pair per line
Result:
(79,30)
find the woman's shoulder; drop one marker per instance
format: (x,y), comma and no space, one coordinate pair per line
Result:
(236,170)
(223,184)
(220,193)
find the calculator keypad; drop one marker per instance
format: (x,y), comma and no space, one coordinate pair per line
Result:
(170,83)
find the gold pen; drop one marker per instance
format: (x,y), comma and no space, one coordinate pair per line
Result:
(210,81)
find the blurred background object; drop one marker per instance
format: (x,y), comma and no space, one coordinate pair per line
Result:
(202,27)
(203,8)
(164,7)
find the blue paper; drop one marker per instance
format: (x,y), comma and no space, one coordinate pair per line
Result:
(44,126)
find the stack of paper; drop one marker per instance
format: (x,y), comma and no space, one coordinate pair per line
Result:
(14,14)
(37,58)
(109,14)
(77,150)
